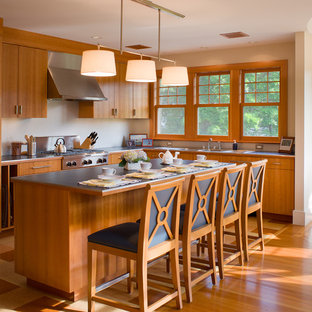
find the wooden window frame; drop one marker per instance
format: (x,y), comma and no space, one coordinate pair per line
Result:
(235,108)
(197,105)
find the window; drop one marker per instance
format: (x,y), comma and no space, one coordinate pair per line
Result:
(261,101)
(213,104)
(244,102)
(171,110)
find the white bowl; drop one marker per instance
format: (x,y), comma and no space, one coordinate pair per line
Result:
(109,178)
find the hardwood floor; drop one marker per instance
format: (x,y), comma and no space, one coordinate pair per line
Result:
(280,279)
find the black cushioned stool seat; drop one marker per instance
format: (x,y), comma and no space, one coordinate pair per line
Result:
(122,236)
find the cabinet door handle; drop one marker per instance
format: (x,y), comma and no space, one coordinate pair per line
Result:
(16,109)
(115,111)
(134,112)
(20,109)
(40,167)
(276,163)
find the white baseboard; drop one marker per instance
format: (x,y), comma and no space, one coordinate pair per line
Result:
(301,217)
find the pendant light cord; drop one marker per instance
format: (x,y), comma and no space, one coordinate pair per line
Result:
(121,24)
(159,34)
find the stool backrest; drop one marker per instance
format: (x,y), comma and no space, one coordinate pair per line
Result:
(160,219)
(231,191)
(201,202)
(253,190)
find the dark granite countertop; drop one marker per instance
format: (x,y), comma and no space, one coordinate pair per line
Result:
(68,179)
(11,159)
(7,159)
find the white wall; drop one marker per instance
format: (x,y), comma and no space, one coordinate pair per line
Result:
(303,96)
(63,120)
(254,53)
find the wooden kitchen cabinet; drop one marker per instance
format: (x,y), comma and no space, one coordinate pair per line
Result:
(126,100)
(19,169)
(278,193)
(24,83)
(42,166)
(114,158)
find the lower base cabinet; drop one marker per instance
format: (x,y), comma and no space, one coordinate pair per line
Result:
(114,158)
(278,194)
(14,170)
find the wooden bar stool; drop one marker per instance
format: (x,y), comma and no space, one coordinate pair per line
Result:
(252,202)
(156,235)
(229,211)
(196,221)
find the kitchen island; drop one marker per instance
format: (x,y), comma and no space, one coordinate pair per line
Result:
(54,216)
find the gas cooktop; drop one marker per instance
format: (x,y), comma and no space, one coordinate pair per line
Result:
(77,151)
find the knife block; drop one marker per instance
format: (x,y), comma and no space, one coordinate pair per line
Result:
(86,144)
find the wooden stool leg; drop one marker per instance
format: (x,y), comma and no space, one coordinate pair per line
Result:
(238,233)
(168,264)
(211,255)
(203,246)
(141,274)
(92,258)
(130,269)
(174,260)
(187,269)
(260,228)
(245,234)
(198,248)
(219,245)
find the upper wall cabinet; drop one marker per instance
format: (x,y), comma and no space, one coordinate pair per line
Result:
(125,99)
(24,82)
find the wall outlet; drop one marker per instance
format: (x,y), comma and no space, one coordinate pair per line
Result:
(259,147)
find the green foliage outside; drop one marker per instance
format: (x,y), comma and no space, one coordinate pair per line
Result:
(213,121)
(260,87)
(171,120)
(261,121)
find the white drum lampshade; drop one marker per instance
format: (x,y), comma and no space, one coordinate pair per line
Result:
(174,76)
(98,63)
(141,71)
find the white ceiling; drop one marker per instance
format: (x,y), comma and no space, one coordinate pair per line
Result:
(265,21)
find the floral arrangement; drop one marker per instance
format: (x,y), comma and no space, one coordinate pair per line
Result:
(133,157)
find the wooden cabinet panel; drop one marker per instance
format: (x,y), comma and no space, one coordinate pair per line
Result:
(32,82)
(140,100)
(114,158)
(187,155)
(25,82)
(278,194)
(9,80)
(152,154)
(280,163)
(42,166)
(126,100)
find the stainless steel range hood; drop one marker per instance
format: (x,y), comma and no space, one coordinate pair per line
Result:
(65,81)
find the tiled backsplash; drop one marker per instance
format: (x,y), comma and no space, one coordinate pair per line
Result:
(224,145)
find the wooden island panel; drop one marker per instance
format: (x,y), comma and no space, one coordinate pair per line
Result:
(52,230)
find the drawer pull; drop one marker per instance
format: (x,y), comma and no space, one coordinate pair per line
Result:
(40,167)
(276,163)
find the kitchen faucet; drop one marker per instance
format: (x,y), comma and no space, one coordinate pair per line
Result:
(209,144)
(219,146)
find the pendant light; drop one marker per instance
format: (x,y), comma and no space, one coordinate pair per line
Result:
(98,63)
(174,76)
(141,71)
(101,63)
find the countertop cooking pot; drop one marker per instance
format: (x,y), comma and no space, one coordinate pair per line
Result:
(59,146)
